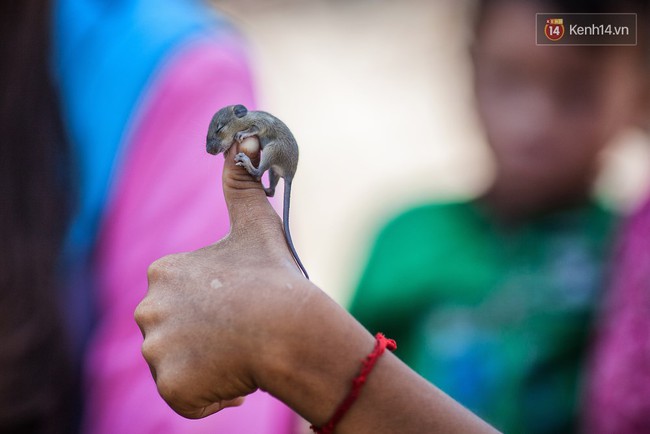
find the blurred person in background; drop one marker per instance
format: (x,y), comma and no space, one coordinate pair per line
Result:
(492,299)
(105,106)
(617,390)
(617,387)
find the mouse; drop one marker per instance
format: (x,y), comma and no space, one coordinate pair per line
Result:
(233,124)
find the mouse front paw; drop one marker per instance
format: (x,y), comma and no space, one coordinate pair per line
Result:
(240,136)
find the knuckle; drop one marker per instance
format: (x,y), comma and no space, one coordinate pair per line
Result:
(141,313)
(147,314)
(165,267)
(155,270)
(149,350)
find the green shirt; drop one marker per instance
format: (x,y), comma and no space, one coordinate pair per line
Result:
(498,318)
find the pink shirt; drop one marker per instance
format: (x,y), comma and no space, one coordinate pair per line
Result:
(166,198)
(618,386)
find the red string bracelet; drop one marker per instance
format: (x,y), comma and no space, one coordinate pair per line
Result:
(366,367)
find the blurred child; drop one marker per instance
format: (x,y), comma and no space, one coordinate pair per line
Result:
(135,83)
(492,299)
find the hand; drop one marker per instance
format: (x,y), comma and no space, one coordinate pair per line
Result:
(222,321)
(210,315)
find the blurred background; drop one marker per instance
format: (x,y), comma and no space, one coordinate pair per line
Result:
(379,96)
(104,108)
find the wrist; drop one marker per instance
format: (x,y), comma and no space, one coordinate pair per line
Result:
(382,344)
(314,356)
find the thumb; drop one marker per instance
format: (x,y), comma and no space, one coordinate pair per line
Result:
(248,206)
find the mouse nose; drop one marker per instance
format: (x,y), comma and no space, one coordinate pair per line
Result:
(212,146)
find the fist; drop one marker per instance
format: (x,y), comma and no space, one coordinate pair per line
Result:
(211,316)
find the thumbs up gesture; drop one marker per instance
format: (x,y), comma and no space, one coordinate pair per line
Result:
(194,315)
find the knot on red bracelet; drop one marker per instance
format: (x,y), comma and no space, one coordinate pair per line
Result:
(382,342)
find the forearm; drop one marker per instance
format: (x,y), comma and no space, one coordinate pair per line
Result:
(396,399)
(321,355)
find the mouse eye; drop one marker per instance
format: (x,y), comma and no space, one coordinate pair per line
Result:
(219,128)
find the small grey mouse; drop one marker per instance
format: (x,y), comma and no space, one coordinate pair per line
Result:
(235,123)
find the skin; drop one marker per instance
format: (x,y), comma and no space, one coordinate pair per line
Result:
(225,320)
(234,124)
(548,112)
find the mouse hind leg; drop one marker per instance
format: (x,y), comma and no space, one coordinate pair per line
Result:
(273,182)
(244,161)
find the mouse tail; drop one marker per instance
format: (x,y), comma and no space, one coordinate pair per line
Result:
(285,223)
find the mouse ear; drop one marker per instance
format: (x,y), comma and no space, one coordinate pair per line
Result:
(240,111)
